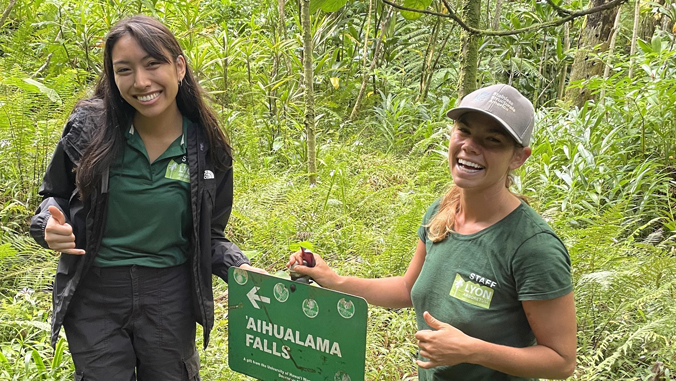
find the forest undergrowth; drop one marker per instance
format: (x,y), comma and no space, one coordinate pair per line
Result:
(603,175)
(362,217)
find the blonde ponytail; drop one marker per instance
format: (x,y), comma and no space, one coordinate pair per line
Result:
(441,225)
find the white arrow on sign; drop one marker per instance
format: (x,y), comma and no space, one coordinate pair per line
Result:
(253,297)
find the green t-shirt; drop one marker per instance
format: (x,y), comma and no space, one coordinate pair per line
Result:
(476,283)
(149,216)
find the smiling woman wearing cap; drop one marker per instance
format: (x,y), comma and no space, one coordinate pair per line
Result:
(490,281)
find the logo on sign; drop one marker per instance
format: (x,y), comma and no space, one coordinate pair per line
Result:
(281,292)
(345,308)
(310,308)
(241,276)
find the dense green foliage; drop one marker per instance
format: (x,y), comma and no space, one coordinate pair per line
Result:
(604,175)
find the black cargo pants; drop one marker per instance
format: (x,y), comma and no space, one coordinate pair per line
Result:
(133,323)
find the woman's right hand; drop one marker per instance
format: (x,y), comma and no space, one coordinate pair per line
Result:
(59,234)
(320,273)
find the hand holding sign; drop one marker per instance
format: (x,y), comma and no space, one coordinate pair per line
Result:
(59,234)
(309,261)
(251,268)
(320,272)
(444,345)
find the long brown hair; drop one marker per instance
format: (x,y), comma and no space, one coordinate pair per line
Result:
(443,222)
(158,41)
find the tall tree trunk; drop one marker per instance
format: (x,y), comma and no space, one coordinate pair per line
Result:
(634,37)
(308,81)
(469,48)
(275,28)
(430,72)
(364,55)
(282,27)
(611,50)
(226,63)
(272,94)
(427,63)
(594,39)
(495,23)
(564,69)
(367,34)
(543,59)
(374,61)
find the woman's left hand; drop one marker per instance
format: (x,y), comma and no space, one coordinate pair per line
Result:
(444,345)
(254,269)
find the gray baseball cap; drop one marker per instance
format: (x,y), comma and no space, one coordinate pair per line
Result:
(504,103)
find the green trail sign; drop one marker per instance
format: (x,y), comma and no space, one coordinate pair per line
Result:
(283,330)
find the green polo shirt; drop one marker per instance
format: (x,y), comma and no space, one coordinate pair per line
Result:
(149,214)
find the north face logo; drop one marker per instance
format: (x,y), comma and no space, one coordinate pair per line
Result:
(208,175)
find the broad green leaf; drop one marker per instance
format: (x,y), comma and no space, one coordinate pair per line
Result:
(648,70)
(352,32)
(151,6)
(3,359)
(415,4)
(34,86)
(656,44)
(296,246)
(516,22)
(38,361)
(58,353)
(644,46)
(326,5)
(538,8)
(559,49)
(277,144)
(391,24)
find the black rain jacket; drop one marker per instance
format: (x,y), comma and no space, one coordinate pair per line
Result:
(211,202)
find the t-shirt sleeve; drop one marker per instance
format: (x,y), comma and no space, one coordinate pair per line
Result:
(422,231)
(541,268)
(431,211)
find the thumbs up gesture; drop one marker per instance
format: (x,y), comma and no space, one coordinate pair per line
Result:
(444,344)
(59,234)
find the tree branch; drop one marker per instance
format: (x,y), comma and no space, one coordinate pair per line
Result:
(559,10)
(571,15)
(455,17)
(424,11)
(5,14)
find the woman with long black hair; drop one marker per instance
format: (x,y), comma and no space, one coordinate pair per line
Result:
(136,199)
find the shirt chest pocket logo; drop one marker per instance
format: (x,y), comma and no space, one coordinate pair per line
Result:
(178,171)
(472,293)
